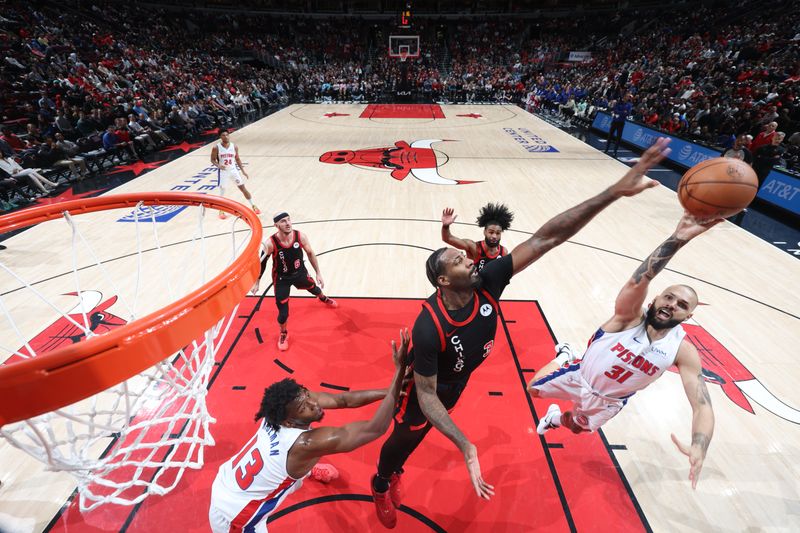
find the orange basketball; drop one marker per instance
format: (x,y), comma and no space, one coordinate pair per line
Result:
(719,187)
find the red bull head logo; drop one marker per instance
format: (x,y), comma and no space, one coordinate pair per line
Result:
(64,331)
(402,159)
(738,383)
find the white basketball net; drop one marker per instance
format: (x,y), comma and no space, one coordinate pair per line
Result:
(137,438)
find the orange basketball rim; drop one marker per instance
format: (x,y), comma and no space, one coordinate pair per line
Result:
(71,373)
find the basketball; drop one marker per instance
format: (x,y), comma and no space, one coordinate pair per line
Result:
(719,187)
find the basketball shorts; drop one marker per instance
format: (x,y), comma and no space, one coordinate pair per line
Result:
(409,412)
(230,175)
(591,409)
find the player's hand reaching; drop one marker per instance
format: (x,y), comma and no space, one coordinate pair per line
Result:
(482,489)
(696,455)
(320,282)
(399,354)
(448,216)
(634,181)
(689,227)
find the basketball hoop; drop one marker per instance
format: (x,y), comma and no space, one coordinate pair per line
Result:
(403,55)
(123,410)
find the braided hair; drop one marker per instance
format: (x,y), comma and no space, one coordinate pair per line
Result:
(434,266)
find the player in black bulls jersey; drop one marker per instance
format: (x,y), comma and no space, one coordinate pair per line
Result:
(494,219)
(455,330)
(288,268)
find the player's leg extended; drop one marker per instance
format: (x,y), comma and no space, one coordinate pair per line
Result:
(282,302)
(222,179)
(311,286)
(249,198)
(565,355)
(410,428)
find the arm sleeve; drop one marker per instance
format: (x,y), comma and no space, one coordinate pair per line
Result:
(425,346)
(497,274)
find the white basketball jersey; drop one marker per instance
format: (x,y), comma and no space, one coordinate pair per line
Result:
(227,156)
(251,485)
(619,364)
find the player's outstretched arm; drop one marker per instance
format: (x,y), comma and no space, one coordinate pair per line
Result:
(437,415)
(215,157)
(628,306)
(312,258)
(327,440)
(691,372)
(561,227)
(350,399)
(448,217)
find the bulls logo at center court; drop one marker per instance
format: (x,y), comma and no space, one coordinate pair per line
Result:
(402,159)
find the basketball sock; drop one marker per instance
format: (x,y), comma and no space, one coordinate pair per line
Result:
(322,298)
(380,484)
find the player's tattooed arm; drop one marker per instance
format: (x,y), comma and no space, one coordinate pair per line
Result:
(629,302)
(702,441)
(657,260)
(435,412)
(691,372)
(688,228)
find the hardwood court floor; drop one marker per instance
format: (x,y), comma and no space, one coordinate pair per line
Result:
(381,221)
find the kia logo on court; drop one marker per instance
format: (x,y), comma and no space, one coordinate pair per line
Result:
(738,383)
(637,135)
(402,159)
(686,151)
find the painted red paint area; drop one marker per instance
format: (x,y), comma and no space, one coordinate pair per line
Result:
(430,111)
(538,488)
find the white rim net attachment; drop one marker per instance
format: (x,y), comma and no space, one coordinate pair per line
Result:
(139,436)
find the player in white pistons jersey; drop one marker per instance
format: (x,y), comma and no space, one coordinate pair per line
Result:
(253,483)
(250,498)
(225,156)
(629,352)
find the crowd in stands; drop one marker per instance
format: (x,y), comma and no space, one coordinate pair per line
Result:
(81,89)
(740,78)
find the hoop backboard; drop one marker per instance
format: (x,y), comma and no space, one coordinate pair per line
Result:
(404,46)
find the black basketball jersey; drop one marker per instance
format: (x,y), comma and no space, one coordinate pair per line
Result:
(452,344)
(287,261)
(483,257)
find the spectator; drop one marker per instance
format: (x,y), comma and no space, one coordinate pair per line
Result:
(30,175)
(739,150)
(766,157)
(765,137)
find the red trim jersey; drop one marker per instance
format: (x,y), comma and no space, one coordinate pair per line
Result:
(287,260)
(483,257)
(451,344)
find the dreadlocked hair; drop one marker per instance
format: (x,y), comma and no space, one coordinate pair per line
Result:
(275,400)
(433,266)
(495,214)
